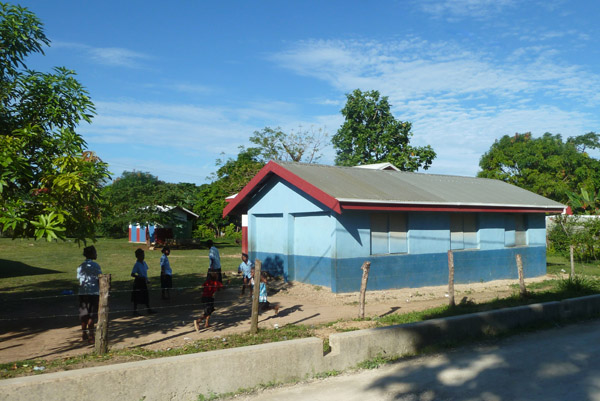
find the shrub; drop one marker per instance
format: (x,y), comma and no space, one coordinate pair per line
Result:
(584,235)
(203,231)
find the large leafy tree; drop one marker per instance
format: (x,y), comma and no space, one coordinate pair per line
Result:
(303,145)
(547,165)
(49,182)
(371,134)
(231,176)
(135,197)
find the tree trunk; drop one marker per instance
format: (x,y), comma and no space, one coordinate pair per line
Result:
(572,261)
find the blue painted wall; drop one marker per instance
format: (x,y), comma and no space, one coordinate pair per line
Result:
(297,237)
(291,234)
(414,271)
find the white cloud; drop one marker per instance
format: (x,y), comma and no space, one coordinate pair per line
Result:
(453,9)
(111,56)
(458,100)
(115,56)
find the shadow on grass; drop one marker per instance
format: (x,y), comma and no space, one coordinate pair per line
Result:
(11,268)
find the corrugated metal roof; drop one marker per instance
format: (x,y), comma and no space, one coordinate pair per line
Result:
(348,184)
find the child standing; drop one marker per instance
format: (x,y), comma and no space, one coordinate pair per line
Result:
(214,261)
(263,304)
(139,295)
(245,268)
(211,285)
(166,274)
(89,292)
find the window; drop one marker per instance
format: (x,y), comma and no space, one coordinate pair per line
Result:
(388,233)
(515,230)
(520,230)
(463,231)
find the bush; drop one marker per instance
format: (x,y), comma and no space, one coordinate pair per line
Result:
(232,232)
(203,231)
(584,235)
(578,285)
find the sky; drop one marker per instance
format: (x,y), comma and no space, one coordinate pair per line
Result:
(180,84)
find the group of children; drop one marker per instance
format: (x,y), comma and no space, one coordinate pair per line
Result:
(212,285)
(89,292)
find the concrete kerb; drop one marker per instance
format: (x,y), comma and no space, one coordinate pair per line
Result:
(185,377)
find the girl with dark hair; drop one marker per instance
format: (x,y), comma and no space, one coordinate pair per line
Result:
(166,274)
(139,295)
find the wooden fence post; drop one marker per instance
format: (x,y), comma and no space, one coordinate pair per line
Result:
(255,293)
(572,262)
(523,290)
(451,278)
(101,345)
(363,289)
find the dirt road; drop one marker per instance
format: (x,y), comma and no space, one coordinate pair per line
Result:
(49,330)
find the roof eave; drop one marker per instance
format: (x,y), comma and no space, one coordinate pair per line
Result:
(272,168)
(447,207)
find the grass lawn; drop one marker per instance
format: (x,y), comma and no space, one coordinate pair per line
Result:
(46,268)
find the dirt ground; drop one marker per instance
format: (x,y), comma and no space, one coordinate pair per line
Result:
(47,335)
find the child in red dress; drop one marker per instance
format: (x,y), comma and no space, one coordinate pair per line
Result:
(210,287)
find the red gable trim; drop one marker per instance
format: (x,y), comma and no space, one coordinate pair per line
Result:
(442,208)
(303,185)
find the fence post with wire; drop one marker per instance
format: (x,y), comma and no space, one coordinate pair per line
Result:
(101,345)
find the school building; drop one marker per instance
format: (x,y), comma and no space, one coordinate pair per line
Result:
(317,224)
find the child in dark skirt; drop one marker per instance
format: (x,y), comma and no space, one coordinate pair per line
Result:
(210,287)
(166,274)
(139,295)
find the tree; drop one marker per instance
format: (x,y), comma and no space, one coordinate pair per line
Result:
(230,178)
(299,146)
(371,134)
(135,197)
(49,182)
(546,165)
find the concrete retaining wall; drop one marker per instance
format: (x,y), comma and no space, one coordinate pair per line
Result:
(185,377)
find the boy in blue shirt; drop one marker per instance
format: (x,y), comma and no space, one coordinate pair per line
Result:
(89,292)
(245,268)
(214,261)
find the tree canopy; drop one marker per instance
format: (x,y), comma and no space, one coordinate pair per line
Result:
(134,196)
(298,146)
(547,165)
(49,182)
(231,177)
(371,134)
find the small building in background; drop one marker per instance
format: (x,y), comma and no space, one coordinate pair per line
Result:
(317,224)
(176,224)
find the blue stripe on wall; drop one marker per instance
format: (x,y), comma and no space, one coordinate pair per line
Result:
(413,271)
(408,271)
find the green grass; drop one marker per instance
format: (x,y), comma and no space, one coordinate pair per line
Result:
(45,268)
(557,264)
